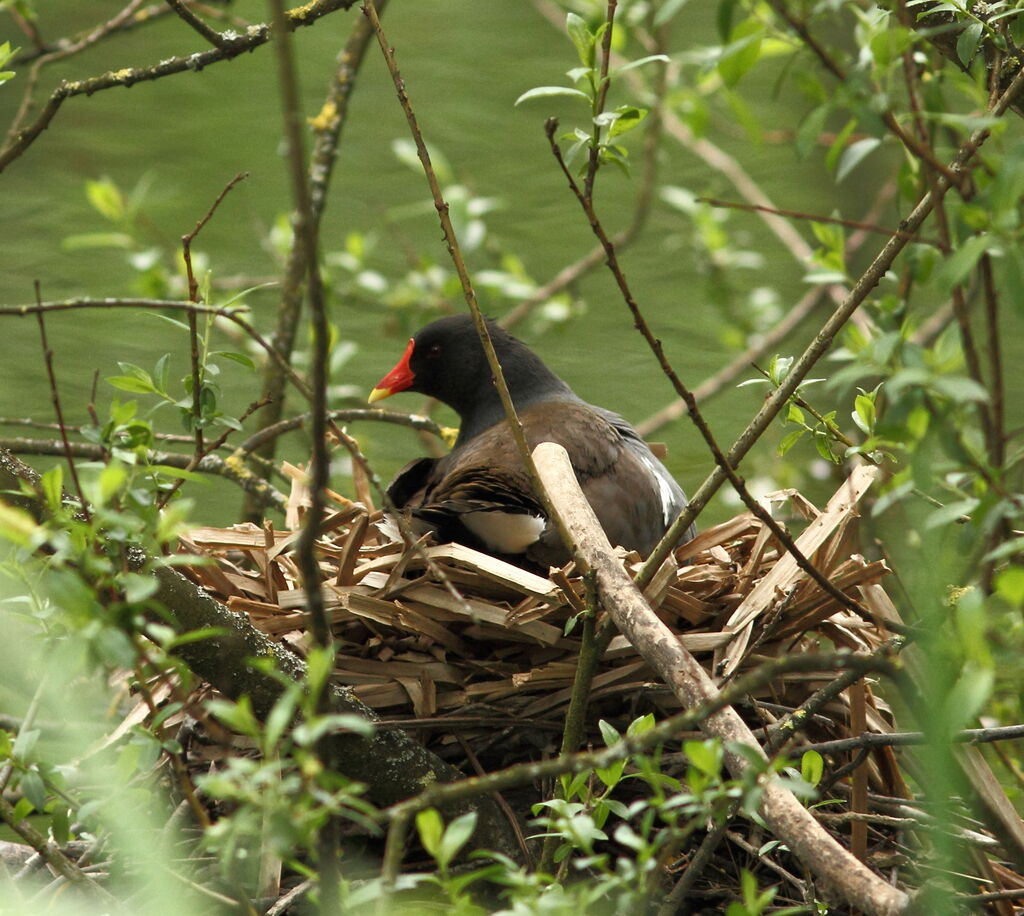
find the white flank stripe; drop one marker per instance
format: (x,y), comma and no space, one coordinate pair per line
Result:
(664,490)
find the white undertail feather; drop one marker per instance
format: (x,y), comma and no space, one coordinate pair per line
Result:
(504,532)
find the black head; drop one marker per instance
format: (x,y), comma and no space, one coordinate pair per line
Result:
(446,360)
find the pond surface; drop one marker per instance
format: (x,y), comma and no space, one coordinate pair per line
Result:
(465,63)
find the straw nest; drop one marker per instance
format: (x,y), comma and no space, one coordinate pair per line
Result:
(477,656)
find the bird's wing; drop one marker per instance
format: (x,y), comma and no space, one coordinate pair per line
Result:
(409,483)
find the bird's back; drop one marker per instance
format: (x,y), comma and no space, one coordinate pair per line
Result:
(632,493)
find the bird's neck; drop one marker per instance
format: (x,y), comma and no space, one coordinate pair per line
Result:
(527,384)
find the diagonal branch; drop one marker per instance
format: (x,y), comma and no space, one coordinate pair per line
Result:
(823,339)
(785,815)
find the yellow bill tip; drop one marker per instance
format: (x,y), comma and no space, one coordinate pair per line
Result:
(378,394)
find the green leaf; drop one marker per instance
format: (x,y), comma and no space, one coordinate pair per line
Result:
(950,513)
(1011,548)
(611,775)
(812,766)
(967,696)
(854,154)
(958,265)
(6,51)
(742,52)
(608,732)
(628,118)
(161,372)
(60,824)
(106,198)
(165,470)
(138,587)
(959,388)
(127,383)
(196,635)
(643,61)
(430,827)
(811,129)
(967,43)
(26,741)
(641,725)
(308,733)
(241,358)
(824,448)
(629,838)
(229,422)
(584,41)
(667,10)
(546,92)
(839,144)
(706,756)
(789,440)
(1009,584)
(280,717)
(455,836)
(864,413)
(31,784)
(17,526)
(237,716)
(177,323)
(52,483)
(112,478)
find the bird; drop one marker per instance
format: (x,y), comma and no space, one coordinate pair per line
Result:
(480,494)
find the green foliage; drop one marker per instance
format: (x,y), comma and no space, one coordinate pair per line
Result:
(591,86)
(617,823)
(7,53)
(923,399)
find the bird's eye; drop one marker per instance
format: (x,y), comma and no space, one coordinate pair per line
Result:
(435,350)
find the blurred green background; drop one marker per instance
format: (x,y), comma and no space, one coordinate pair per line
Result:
(465,63)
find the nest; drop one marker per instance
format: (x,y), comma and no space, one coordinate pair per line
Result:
(478,656)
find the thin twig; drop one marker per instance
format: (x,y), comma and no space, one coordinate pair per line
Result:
(812,217)
(823,340)
(600,97)
(21,139)
(996,388)
(197,368)
(640,322)
(193,295)
(454,250)
(767,341)
(307,245)
(694,869)
(347,415)
(58,410)
(921,150)
(904,739)
(210,464)
(211,35)
(50,851)
(328,125)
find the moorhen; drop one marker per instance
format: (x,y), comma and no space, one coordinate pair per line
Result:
(480,494)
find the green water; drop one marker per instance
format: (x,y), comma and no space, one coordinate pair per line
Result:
(465,62)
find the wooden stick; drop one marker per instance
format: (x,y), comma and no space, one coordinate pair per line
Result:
(785,815)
